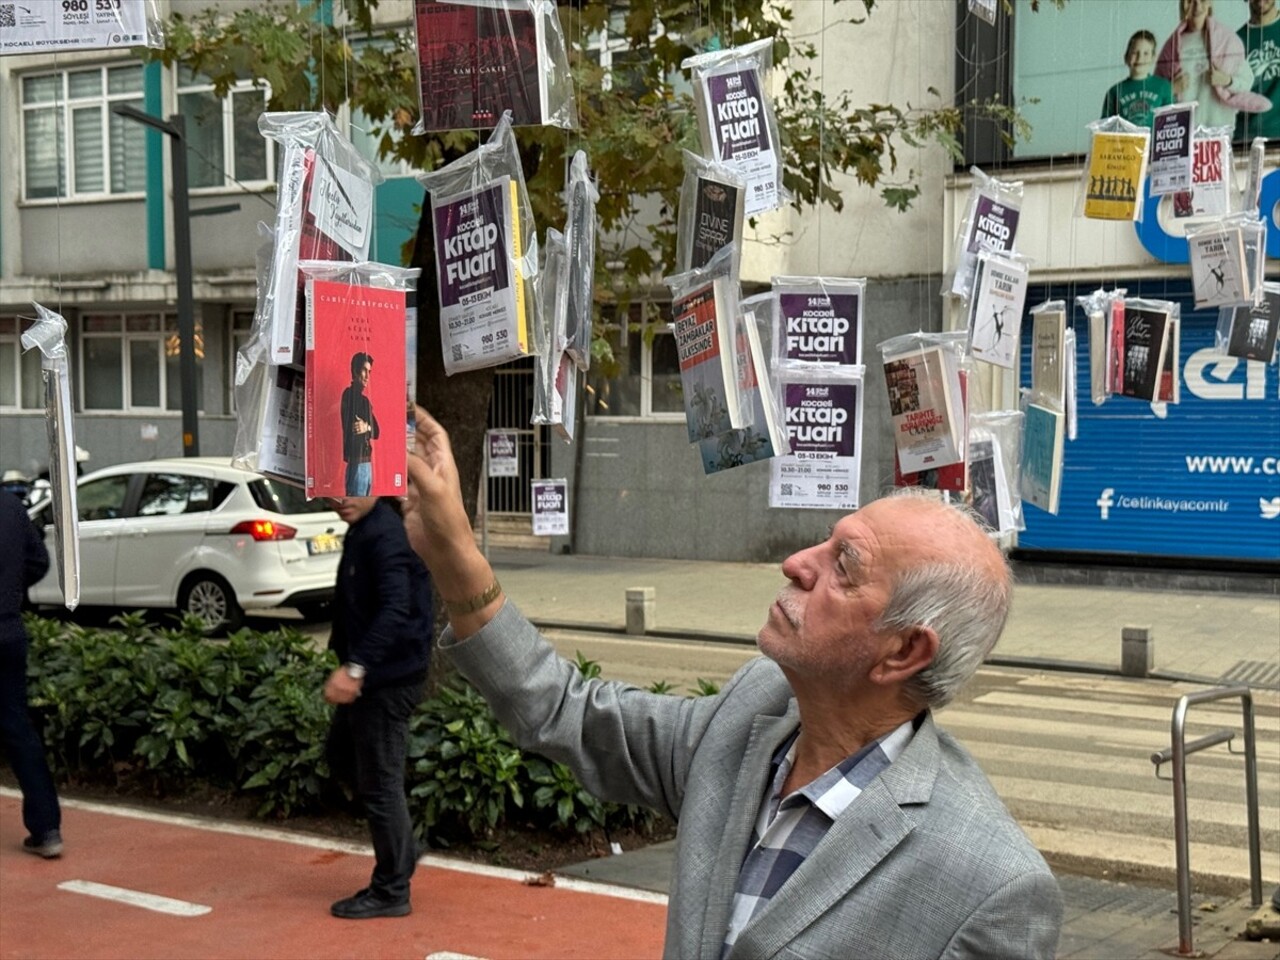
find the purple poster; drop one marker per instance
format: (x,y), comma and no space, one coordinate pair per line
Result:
(550,508)
(820,418)
(994,225)
(737,114)
(471,243)
(820,328)
(1171,161)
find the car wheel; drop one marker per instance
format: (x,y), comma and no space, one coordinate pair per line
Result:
(210,599)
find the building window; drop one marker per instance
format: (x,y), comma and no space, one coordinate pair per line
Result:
(73,146)
(130,362)
(20,382)
(644,380)
(224,146)
(624,63)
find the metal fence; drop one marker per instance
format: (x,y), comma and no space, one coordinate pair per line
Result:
(512,403)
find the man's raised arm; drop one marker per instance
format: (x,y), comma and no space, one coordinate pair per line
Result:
(440,531)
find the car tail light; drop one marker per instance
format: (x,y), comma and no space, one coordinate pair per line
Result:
(265,530)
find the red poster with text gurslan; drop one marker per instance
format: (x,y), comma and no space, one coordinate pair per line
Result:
(355,390)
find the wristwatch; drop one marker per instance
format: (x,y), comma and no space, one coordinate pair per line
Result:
(355,671)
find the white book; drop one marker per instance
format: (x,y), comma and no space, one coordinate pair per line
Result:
(1048,360)
(995,316)
(1220,274)
(926,404)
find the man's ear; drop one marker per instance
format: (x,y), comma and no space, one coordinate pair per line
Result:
(908,652)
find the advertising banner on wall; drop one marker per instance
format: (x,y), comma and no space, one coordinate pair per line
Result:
(1200,478)
(45,26)
(1124,57)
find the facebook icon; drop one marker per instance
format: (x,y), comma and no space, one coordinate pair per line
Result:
(1106,501)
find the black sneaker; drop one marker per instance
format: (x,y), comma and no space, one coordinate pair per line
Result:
(49,846)
(366,904)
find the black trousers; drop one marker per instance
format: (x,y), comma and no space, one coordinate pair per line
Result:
(41,813)
(367,746)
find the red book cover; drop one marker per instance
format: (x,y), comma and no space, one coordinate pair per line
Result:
(474,62)
(355,390)
(951,478)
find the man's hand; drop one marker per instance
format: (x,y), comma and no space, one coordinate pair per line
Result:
(361,426)
(341,688)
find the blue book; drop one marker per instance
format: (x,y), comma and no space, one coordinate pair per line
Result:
(1042,438)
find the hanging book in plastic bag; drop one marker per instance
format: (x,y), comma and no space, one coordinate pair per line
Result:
(1171,148)
(823,407)
(995,314)
(1250,332)
(990,222)
(1223,271)
(922,374)
(736,118)
(1049,357)
(577,291)
(324,211)
(479,58)
(356,388)
(1111,185)
(711,211)
(1211,171)
(704,307)
(486,254)
(49,335)
(766,437)
(819,320)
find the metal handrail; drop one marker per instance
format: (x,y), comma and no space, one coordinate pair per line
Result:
(1178,754)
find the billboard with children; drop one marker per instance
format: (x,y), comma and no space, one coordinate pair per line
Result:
(1129,57)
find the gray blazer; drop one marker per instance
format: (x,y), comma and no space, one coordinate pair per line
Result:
(926,862)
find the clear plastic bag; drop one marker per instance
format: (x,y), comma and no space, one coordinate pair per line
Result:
(1111,184)
(49,335)
(1253,185)
(1212,171)
(1172,148)
(926,401)
(555,375)
(480,58)
(324,211)
(711,208)
(704,307)
(818,320)
(356,394)
(995,310)
(823,409)
(1050,357)
(577,290)
(1249,332)
(736,118)
(994,491)
(767,435)
(1141,339)
(1044,432)
(990,222)
(1099,307)
(1227,256)
(486,254)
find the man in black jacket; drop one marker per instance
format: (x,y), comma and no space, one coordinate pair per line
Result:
(23,561)
(382,635)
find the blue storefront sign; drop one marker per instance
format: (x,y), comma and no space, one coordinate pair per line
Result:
(1200,479)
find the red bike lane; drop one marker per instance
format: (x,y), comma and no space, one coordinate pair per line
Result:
(140,885)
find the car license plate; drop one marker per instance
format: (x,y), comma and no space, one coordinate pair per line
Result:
(324,543)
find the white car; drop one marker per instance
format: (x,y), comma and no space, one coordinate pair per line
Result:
(198,535)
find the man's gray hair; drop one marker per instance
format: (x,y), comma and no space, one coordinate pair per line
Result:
(965,606)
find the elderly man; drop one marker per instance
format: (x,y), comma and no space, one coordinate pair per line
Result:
(821,812)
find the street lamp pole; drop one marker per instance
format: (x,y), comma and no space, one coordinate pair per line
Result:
(176,129)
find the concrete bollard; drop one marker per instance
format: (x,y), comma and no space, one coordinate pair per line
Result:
(641,602)
(1137,651)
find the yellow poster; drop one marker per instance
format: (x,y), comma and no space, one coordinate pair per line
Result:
(1117,165)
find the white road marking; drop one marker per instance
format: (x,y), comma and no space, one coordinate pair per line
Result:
(356,849)
(136,898)
(446,955)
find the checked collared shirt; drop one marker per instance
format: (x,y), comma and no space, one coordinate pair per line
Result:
(788,828)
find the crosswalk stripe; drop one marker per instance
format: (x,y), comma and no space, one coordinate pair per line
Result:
(1198,714)
(135,898)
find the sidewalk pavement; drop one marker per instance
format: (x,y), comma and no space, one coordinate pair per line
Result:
(1198,636)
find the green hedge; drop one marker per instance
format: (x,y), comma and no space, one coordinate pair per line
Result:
(172,710)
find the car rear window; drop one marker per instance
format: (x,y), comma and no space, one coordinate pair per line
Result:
(282,498)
